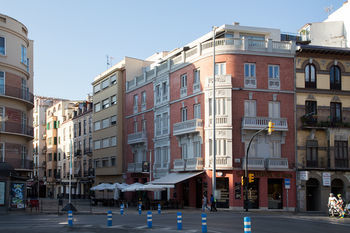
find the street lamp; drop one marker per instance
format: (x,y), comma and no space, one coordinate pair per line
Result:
(214,119)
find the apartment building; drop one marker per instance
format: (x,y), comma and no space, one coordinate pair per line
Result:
(322,116)
(16,104)
(39,144)
(107,120)
(169,117)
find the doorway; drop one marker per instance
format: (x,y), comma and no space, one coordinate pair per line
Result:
(186,193)
(199,193)
(222,185)
(275,194)
(337,187)
(312,195)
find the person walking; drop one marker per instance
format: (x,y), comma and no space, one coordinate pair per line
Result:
(212,203)
(205,203)
(332,200)
(340,205)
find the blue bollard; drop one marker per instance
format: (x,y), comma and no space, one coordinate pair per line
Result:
(247,225)
(149,219)
(140,209)
(109,218)
(204,223)
(70,218)
(179,221)
(121,209)
(159,209)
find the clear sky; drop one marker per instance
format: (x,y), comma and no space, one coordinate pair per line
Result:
(73,37)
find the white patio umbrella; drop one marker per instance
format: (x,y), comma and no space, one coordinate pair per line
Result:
(103,186)
(155,187)
(133,187)
(120,185)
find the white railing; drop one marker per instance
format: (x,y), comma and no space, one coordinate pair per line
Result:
(281,45)
(176,60)
(139,137)
(135,109)
(254,163)
(139,79)
(220,80)
(143,106)
(191,52)
(257,123)
(194,164)
(131,167)
(250,82)
(190,126)
(274,83)
(138,167)
(179,165)
(219,120)
(183,91)
(162,67)
(196,87)
(150,73)
(277,163)
(257,44)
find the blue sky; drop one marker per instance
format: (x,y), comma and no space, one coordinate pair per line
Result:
(73,37)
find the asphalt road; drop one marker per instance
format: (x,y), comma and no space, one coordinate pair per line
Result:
(220,222)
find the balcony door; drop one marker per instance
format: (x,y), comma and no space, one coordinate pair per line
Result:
(250,108)
(274,109)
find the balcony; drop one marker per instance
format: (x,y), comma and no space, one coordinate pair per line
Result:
(187,127)
(183,91)
(258,123)
(254,163)
(194,164)
(19,93)
(20,164)
(219,120)
(277,163)
(77,153)
(88,151)
(134,167)
(179,165)
(16,128)
(135,138)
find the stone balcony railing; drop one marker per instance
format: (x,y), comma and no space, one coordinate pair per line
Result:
(257,123)
(134,167)
(139,137)
(179,165)
(276,163)
(186,127)
(194,164)
(254,163)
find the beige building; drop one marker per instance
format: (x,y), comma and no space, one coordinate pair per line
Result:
(323,125)
(16,104)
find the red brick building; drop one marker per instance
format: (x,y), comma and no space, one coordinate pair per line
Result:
(169,116)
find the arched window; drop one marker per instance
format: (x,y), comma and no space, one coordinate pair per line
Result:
(310,76)
(335,78)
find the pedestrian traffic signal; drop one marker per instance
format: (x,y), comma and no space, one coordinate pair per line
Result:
(251,177)
(271,127)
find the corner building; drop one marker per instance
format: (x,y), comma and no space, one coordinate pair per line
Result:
(254,78)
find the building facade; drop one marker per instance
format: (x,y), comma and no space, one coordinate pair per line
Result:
(169,117)
(322,111)
(16,104)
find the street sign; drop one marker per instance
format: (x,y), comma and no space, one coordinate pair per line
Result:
(326,178)
(304,175)
(287,183)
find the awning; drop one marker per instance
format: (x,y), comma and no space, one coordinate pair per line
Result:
(156,187)
(174,178)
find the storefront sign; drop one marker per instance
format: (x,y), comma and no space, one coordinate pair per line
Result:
(268,174)
(17,195)
(2,193)
(326,178)
(287,183)
(304,175)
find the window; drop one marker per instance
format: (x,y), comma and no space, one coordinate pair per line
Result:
(97,144)
(113,160)
(210,106)
(274,109)
(143,101)
(197,149)
(97,107)
(2,152)
(2,83)
(113,100)
(113,141)
(335,78)
(84,125)
(105,123)
(113,120)
(157,92)
(274,76)
(97,125)
(196,80)
(250,108)
(165,123)
(143,125)
(105,162)
(310,76)
(341,154)
(197,111)
(165,155)
(220,106)
(136,98)
(184,151)
(310,112)
(210,147)
(164,89)
(336,112)
(23,54)
(105,83)
(183,87)
(113,79)
(105,143)
(311,153)
(2,46)
(158,125)
(184,114)
(50,156)
(249,75)
(220,68)
(97,163)
(135,126)
(90,124)
(105,103)
(97,88)
(79,128)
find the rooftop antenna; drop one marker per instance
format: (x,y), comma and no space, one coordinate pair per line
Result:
(109,61)
(328,9)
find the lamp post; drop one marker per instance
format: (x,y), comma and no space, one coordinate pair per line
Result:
(214,120)
(70,206)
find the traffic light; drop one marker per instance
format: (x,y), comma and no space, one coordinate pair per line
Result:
(251,177)
(242,180)
(271,127)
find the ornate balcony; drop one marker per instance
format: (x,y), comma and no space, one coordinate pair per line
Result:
(254,163)
(186,127)
(277,163)
(194,164)
(134,167)
(139,137)
(179,165)
(257,123)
